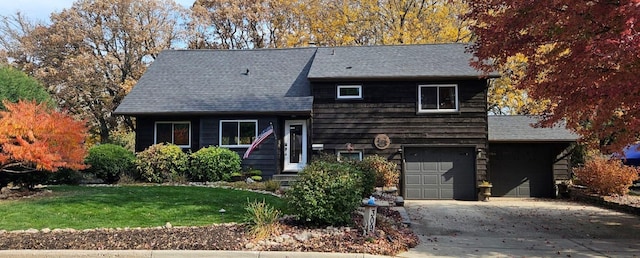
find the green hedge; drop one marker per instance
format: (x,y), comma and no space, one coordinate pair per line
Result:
(162,163)
(109,161)
(213,164)
(326,193)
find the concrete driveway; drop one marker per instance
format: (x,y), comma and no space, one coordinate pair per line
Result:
(506,227)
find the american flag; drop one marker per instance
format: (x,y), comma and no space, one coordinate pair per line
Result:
(263,136)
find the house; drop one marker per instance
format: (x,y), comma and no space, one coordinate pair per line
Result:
(421,106)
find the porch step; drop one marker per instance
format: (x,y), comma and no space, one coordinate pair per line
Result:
(285,179)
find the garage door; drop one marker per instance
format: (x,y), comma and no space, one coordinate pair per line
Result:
(439,173)
(521,170)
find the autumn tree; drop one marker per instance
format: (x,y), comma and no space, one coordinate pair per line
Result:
(504,98)
(284,23)
(16,85)
(93,53)
(34,137)
(583,56)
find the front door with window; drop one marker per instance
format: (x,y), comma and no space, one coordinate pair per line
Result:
(295,145)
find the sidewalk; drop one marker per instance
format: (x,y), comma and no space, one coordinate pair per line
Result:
(172,253)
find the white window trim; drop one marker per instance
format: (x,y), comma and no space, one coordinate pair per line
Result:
(235,121)
(359,87)
(155,131)
(437,110)
(360,154)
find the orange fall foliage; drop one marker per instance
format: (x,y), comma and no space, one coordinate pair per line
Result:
(36,137)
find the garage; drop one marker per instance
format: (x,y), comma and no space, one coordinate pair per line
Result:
(527,161)
(439,173)
(521,170)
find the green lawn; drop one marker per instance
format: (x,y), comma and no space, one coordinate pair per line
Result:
(81,207)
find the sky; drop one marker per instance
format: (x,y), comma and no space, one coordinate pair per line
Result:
(39,10)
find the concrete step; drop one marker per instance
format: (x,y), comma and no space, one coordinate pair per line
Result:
(285,179)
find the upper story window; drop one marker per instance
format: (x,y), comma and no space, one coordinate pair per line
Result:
(238,133)
(438,98)
(349,92)
(178,133)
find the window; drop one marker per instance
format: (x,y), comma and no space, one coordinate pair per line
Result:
(437,98)
(349,155)
(349,92)
(178,133)
(238,133)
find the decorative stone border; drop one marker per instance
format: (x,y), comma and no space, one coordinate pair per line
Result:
(581,195)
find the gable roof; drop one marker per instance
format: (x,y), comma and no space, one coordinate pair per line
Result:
(520,129)
(223,81)
(431,61)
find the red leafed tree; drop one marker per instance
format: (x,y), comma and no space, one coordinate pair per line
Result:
(583,56)
(36,137)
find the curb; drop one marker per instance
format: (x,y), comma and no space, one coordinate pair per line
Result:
(173,253)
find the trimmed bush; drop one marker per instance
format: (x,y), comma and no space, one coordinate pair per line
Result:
(607,176)
(109,161)
(386,172)
(162,163)
(214,164)
(326,193)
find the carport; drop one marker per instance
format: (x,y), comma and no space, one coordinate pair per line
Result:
(527,161)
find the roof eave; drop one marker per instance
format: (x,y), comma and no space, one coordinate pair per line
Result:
(391,78)
(532,140)
(192,113)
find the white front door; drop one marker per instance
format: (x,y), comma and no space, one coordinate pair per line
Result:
(295,145)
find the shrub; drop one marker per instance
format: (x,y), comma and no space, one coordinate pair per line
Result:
(214,164)
(109,161)
(366,177)
(271,186)
(325,193)
(386,172)
(254,172)
(607,176)
(262,219)
(161,163)
(256,178)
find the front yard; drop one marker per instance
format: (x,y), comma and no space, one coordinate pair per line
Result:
(81,207)
(134,217)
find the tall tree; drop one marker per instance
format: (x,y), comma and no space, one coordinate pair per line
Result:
(285,23)
(35,137)
(583,56)
(503,96)
(93,53)
(16,85)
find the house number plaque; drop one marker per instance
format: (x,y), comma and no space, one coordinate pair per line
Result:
(382,141)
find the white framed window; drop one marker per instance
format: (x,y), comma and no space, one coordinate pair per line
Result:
(349,92)
(178,133)
(237,133)
(438,98)
(349,155)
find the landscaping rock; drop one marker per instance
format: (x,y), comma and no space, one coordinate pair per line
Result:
(230,236)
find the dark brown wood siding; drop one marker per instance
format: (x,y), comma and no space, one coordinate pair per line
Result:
(145,130)
(265,158)
(391,108)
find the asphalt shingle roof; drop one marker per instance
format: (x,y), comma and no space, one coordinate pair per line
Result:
(521,129)
(216,81)
(396,62)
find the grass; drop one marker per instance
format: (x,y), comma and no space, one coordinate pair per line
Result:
(81,207)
